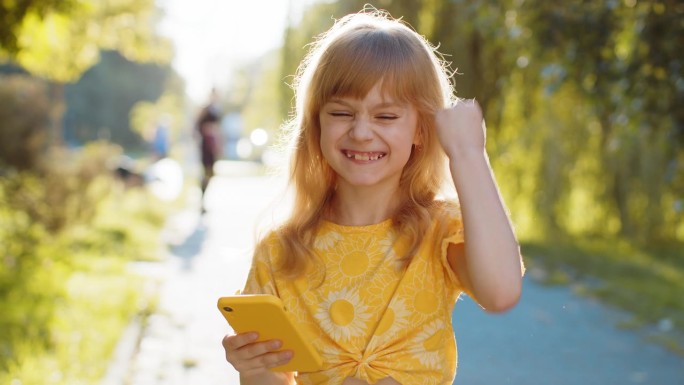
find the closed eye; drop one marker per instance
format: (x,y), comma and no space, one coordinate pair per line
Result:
(340,114)
(388,117)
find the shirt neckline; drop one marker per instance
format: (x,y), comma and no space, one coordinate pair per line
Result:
(362,228)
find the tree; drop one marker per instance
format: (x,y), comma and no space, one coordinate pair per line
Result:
(12,15)
(58,41)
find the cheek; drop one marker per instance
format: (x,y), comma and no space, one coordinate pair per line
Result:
(406,144)
(326,143)
(406,153)
(330,133)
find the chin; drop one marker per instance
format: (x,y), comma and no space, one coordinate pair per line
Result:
(360,181)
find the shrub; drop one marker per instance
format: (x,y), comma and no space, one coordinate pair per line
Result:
(24,113)
(64,290)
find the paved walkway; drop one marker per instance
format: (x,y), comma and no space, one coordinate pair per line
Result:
(551,338)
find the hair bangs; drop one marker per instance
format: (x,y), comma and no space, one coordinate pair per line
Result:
(354,64)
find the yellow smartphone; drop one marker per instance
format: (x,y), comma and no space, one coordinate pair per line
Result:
(266,315)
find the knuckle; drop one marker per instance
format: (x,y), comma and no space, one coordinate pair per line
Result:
(270,360)
(278,358)
(258,349)
(226,342)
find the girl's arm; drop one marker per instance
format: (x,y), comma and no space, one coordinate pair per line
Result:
(488,263)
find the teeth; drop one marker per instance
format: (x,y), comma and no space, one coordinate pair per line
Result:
(364,157)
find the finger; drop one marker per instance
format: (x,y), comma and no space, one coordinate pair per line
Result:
(271,360)
(258,356)
(251,351)
(236,341)
(267,362)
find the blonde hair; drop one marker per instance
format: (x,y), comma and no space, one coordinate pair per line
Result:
(347,61)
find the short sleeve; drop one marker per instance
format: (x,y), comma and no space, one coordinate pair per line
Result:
(452,230)
(260,279)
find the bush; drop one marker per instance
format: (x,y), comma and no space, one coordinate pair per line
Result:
(64,289)
(24,113)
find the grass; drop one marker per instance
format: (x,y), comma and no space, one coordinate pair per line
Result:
(84,331)
(648,283)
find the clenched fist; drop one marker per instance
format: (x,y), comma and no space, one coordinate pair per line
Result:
(461,129)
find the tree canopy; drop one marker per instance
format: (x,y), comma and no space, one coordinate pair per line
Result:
(59,40)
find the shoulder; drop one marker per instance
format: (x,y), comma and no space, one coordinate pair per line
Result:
(268,246)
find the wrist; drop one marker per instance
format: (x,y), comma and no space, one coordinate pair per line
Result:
(470,166)
(465,157)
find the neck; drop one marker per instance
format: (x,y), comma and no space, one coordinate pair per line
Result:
(363,206)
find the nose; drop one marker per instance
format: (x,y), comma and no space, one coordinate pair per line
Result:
(361,129)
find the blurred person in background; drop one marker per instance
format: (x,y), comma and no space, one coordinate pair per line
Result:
(160,141)
(208,130)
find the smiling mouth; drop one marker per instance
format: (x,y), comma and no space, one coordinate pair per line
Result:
(364,155)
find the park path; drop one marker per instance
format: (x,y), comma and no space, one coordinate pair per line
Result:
(552,337)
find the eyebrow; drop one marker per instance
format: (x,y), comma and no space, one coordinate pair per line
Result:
(380,105)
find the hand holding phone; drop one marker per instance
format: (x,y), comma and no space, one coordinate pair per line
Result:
(266,315)
(254,359)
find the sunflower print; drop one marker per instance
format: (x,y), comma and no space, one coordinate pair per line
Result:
(369,318)
(343,315)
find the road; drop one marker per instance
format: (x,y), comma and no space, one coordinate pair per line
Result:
(553,337)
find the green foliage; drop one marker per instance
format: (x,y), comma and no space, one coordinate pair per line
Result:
(12,13)
(626,70)
(140,243)
(61,41)
(64,286)
(64,191)
(28,282)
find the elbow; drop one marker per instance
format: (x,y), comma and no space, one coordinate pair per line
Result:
(503,305)
(505,300)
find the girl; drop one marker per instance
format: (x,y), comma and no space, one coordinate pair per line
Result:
(370,263)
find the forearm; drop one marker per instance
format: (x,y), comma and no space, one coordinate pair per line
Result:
(491,249)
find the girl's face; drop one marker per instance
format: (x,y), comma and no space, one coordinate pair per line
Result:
(367,142)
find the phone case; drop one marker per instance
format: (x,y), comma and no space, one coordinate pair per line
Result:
(267,315)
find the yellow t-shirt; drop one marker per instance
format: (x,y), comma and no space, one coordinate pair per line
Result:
(369,318)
